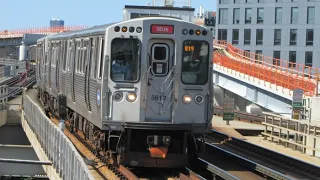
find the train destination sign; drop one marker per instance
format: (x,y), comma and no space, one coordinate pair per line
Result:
(162,29)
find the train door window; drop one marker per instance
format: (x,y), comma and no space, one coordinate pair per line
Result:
(85,55)
(101,54)
(77,58)
(65,49)
(160,59)
(94,58)
(81,57)
(195,62)
(125,60)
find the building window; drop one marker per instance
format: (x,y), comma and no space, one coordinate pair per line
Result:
(258,56)
(294,15)
(222,34)
(223,1)
(308,58)
(276,58)
(261,1)
(247,53)
(309,37)
(293,37)
(292,58)
(235,36)
(279,1)
(311,13)
(223,16)
(278,15)
(247,36)
(236,15)
(259,37)
(237,1)
(277,36)
(260,15)
(248,15)
(248,1)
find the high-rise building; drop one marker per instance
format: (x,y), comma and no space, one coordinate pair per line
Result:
(56,22)
(283,29)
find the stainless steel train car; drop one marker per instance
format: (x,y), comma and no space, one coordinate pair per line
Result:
(140,90)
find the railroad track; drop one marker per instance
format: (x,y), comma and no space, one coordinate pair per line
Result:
(258,160)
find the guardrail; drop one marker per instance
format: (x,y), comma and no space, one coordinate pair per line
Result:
(305,135)
(59,149)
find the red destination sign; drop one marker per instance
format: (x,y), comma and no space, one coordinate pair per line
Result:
(162,29)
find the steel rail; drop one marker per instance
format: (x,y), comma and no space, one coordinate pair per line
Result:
(254,165)
(216,170)
(267,157)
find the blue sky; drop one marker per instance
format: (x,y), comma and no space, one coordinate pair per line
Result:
(36,13)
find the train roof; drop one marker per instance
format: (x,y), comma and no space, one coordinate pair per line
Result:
(100,29)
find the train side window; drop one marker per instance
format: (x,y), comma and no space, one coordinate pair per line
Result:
(101,57)
(125,60)
(195,62)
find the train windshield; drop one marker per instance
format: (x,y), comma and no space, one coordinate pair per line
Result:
(195,62)
(125,60)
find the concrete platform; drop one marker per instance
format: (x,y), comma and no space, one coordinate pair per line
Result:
(234,127)
(283,150)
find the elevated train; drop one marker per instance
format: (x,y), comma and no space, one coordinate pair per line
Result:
(140,90)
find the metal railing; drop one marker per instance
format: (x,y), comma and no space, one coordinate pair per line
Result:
(279,72)
(297,134)
(59,149)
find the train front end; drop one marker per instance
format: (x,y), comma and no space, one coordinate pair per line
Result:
(159,90)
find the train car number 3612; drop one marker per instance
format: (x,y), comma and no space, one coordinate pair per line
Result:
(158,97)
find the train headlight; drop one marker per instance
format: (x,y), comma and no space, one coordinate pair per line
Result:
(117,96)
(131,96)
(198,99)
(198,32)
(186,99)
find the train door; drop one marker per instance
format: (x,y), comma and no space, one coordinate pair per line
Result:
(88,46)
(160,81)
(58,60)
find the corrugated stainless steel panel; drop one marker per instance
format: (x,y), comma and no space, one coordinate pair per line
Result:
(93,96)
(53,79)
(68,82)
(79,90)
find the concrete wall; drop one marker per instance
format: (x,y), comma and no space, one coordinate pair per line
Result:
(241,104)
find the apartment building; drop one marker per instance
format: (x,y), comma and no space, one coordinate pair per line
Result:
(283,29)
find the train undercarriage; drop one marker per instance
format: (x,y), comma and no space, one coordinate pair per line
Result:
(133,147)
